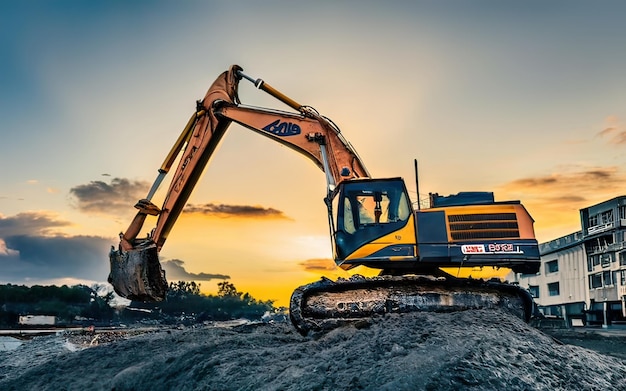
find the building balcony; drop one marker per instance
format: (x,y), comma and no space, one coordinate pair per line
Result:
(596,229)
(612,247)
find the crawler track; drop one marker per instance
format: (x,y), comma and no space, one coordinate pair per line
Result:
(327,304)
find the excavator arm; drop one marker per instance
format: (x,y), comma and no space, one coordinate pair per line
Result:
(305,131)
(308,133)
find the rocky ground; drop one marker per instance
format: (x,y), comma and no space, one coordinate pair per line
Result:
(469,350)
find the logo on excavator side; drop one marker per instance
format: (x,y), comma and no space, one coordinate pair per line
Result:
(283,129)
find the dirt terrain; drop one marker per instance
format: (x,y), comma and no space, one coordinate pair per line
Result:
(470,350)
(609,342)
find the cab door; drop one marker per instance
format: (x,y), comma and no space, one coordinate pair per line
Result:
(374,222)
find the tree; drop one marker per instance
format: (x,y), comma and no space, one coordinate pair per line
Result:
(183,289)
(184,302)
(227,289)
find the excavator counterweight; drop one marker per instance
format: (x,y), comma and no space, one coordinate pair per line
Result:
(372,223)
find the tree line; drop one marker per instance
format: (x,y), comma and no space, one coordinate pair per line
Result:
(67,304)
(79,304)
(184,303)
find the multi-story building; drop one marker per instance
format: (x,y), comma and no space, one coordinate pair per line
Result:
(560,288)
(604,229)
(583,274)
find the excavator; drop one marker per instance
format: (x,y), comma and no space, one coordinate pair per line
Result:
(372,222)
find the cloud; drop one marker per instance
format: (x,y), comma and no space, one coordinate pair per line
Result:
(319,265)
(24,257)
(30,223)
(226,211)
(175,271)
(573,186)
(7,252)
(117,196)
(607,132)
(554,200)
(31,250)
(566,199)
(614,131)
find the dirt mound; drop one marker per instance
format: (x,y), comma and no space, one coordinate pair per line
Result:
(475,350)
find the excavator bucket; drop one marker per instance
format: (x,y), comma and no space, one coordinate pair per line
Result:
(327,304)
(137,274)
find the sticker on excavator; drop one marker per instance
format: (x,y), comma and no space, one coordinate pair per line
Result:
(137,274)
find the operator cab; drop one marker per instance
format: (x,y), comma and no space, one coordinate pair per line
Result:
(366,209)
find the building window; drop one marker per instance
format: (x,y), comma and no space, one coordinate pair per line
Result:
(622,212)
(552,266)
(622,258)
(553,310)
(553,289)
(606,217)
(595,259)
(595,281)
(593,220)
(607,278)
(534,291)
(622,277)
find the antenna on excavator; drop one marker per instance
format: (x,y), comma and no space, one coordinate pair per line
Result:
(417,185)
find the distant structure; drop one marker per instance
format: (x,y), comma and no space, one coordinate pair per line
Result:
(583,274)
(36,320)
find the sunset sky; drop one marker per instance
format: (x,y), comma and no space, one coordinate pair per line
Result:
(525,99)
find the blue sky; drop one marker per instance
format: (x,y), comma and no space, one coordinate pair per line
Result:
(526,99)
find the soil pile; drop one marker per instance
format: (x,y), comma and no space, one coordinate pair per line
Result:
(469,350)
